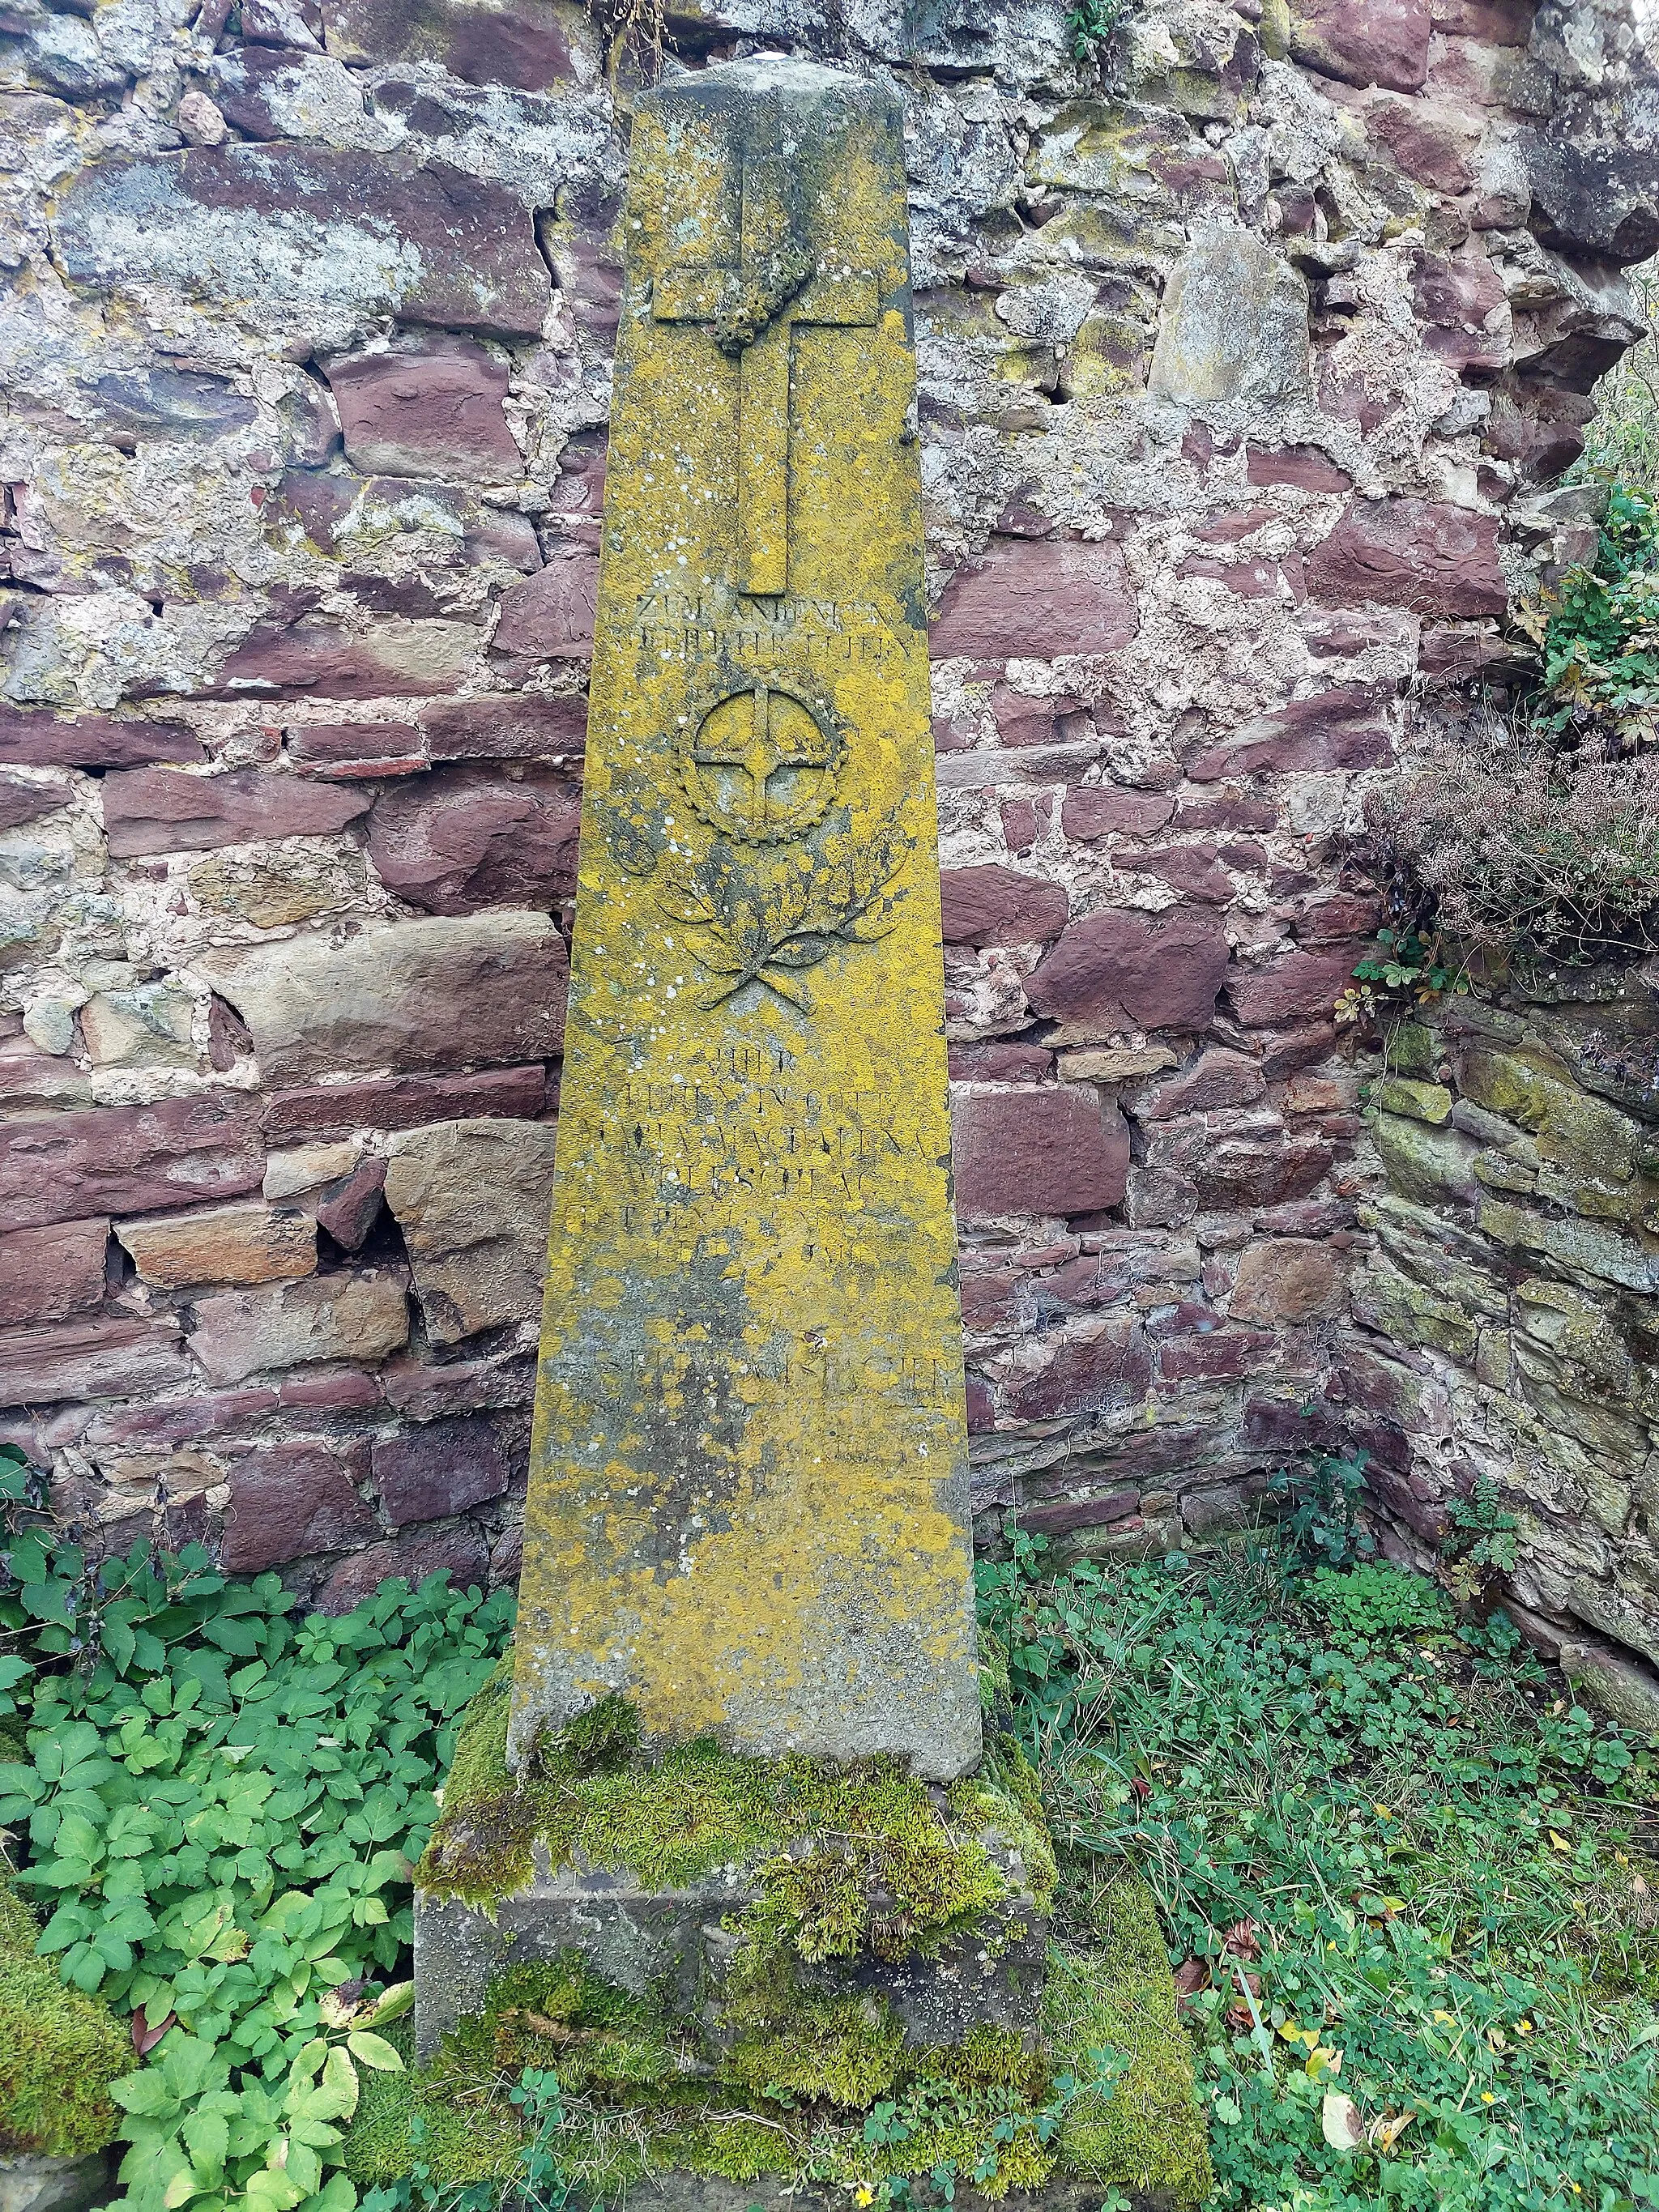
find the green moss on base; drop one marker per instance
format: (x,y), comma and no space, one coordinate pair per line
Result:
(636,2101)
(557,2014)
(872,1830)
(841,1862)
(59,2051)
(1149,2132)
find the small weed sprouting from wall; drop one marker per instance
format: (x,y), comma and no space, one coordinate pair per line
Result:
(1089,24)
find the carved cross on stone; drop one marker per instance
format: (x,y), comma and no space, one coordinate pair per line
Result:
(761,734)
(777,284)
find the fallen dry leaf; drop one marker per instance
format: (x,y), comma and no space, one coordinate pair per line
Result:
(1386,2130)
(1238,2016)
(1340,2122)
(1190,1977)
(144,2036)
(1241,1939)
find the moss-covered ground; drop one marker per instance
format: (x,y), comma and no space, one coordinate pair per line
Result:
(59,2051)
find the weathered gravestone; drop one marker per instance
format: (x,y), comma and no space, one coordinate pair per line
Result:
(748,1501)
(746,1558)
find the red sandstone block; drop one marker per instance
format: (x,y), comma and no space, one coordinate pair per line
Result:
(1089,811)
(34,739)
(1436,144)
(994,905)
(1465,309)
(501,727)
(1363,41)
(550,616)
(343,1390)
(1218,1078)
(1037,1152)
(319,660)
(89,1359)
(287,1501)
(183,1421)
(1415,553)
(1098,1367)
(1304,466)
(1212,1359)
(431,1472)
(1340,728)
(1189,869)
(1228,810)
(466,838)
(464,1552)
(1338,919)
(127,1159)
(404,1102)
(434,410)
(48,1273)
(1118,970)
(160,810)
(1056,1516)
(350,1209)
(21,802)
(354,750)
(999,1060)
(424,1390)
(990,1292)
(1296,983)
(1039,598)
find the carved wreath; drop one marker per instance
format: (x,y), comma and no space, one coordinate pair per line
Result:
(752,919)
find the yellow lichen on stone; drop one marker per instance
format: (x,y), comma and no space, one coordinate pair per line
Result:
(748,1509)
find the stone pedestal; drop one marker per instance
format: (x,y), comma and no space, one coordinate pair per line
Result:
(687,1935)
(676,1946)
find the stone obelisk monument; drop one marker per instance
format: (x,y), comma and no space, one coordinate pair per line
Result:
(748,1507)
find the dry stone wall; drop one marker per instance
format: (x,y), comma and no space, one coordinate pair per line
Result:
(1247,359)
(1506,1309)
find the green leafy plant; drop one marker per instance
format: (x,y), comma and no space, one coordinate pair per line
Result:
(1598,631)
(1373,1601)
(1409,971)
(1409,1912)
(219,1804)
(1482,1542)
(1091,23)
(1323,1496)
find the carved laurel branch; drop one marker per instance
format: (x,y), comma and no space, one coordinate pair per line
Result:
(754,924)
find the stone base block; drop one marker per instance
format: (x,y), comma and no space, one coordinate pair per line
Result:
(641,1940)
(676,1944)
(32,2184)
